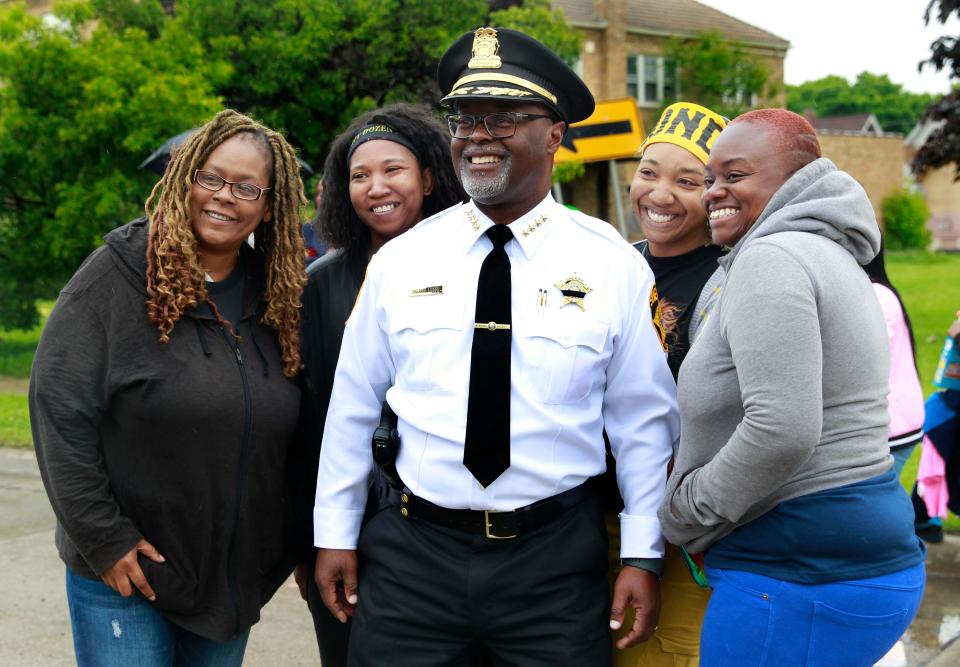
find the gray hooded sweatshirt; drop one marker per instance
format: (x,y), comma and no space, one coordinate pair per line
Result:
(784,393)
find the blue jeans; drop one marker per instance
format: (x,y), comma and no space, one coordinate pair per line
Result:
(757,621)
(900,457)
(110,630)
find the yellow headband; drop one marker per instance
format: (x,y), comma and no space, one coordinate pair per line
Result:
(688,126)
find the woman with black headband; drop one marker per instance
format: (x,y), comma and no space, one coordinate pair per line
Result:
(387,171)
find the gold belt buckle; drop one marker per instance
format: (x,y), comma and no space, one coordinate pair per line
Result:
(486,527)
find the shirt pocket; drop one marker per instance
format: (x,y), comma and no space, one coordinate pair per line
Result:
(426,337)
(566,358)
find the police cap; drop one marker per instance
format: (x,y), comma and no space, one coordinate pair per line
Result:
(504,64)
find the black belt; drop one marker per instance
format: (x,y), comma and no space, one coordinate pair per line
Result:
(494,524)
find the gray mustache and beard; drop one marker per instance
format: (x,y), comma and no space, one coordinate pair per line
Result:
(485,188)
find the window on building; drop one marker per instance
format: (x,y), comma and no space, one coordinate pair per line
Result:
(651,79)
(741,98)
(742,79)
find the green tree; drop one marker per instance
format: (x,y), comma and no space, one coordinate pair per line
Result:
(82,104)
(905,216)
(310,66)
(77,115)
(718,73)
(896,109)
(540,21)
(942,146)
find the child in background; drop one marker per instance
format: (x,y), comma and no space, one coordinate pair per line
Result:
(906,397)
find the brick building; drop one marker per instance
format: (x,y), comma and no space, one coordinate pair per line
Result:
(858,145)
(941,191)
(622,54)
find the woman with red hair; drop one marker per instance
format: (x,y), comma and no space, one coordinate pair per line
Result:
(783,473)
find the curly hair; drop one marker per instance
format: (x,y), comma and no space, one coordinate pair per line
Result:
(337,222)
(175,277)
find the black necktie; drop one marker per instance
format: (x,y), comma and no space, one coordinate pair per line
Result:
(486,450)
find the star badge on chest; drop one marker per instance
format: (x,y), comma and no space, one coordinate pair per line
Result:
(574,289)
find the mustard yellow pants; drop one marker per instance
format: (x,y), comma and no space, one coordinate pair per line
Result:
(676,641)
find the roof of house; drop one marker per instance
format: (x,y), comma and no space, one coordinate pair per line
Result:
(857,123)
(672,17)
(918,136)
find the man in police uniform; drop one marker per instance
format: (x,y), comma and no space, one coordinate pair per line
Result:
(507,334)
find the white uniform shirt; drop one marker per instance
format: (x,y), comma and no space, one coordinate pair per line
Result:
(574,373)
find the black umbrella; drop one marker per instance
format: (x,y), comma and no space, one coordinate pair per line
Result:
(157,162)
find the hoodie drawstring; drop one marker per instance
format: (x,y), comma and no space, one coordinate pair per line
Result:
(203,339)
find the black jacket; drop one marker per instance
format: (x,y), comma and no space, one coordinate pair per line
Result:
(331,291)
(184,444)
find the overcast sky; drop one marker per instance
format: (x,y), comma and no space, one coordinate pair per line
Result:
(846,37)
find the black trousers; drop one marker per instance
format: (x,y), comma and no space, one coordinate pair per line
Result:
(433,596)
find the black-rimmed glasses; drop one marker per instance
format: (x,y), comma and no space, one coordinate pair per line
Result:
(211,181)
(499,124)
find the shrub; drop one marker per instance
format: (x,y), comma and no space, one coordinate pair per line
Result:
(905,216)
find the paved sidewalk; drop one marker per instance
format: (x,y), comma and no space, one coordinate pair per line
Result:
(950,657)
(35,628)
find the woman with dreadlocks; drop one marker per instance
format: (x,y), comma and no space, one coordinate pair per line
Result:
(163,408)
(387,171)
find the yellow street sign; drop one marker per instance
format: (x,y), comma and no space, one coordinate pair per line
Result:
(613,131)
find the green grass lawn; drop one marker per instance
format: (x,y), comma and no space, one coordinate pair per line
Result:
(16,357)
(14,421)
(17,347)
(930,287)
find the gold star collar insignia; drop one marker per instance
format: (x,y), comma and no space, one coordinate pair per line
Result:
(472,219)
(573,290)
(534,226)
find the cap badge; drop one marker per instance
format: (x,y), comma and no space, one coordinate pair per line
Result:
(485,47)
(573,290)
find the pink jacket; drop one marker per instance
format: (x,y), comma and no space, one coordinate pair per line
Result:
(932,480)
(906,396)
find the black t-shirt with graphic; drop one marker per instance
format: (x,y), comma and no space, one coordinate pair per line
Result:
(680,280)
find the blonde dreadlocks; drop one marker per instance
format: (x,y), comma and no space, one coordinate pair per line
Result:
(175,278)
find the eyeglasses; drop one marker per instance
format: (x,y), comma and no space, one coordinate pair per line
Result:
(211,181)
(499,124)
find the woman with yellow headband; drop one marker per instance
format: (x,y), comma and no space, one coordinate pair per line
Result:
(665,193)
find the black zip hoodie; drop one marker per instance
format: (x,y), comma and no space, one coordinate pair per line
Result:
(184,444)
